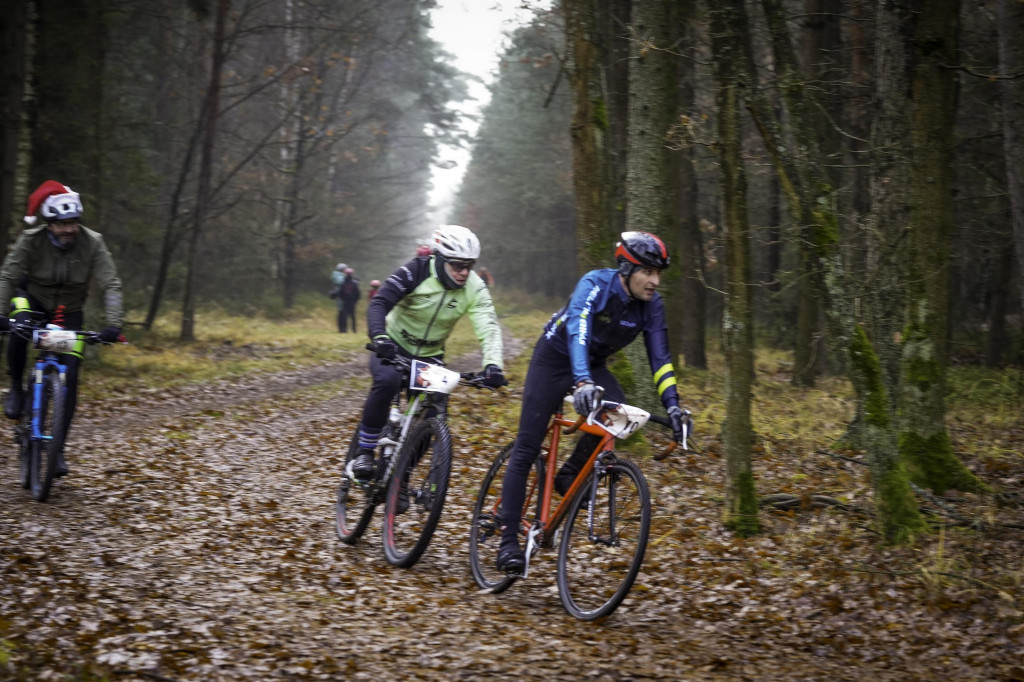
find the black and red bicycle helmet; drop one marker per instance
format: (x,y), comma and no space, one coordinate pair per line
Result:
(640,249)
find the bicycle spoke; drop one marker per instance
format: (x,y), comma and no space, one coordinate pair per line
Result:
(603,545)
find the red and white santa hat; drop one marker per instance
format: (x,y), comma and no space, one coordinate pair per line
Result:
(54,201)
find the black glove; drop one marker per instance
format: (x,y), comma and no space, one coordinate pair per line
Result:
(493,377)
(5,323)
(384,347)
(584,397)
(682,425)
(110,334)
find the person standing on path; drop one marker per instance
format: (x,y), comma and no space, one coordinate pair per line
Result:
(337,277)
(348,296)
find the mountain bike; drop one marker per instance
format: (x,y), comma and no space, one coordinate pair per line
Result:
(41,431)
(606,513)
(414,451)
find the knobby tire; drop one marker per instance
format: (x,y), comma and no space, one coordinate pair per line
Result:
(24,432)
(425,463)
(596,574)
(44,454)
(355,503)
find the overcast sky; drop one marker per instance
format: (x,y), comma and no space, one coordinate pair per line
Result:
(473,32)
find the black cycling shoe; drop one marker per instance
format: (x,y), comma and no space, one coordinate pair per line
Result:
(62,467)
(511,558)
(15,399)
(362,465)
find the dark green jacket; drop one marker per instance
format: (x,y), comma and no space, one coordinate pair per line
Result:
(56,277)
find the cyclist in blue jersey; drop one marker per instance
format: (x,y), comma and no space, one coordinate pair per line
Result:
(608,309)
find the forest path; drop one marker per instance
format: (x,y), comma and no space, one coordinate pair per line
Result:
(194,540)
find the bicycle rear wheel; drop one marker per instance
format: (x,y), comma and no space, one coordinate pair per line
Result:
(424,465)
(485,534)
(356,502)
(45,454)
(600,554)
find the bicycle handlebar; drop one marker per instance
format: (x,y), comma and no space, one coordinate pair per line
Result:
(662,421)
(474,379)
(25,329)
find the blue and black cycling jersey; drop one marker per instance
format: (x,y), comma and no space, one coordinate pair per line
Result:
(602,318)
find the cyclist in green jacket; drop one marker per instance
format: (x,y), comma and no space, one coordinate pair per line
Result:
(52,266)
(413,314)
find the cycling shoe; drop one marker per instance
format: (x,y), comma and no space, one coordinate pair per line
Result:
(511,559)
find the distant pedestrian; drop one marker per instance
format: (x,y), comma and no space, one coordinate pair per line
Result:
(374,287)
(337,277)
(348,297)
(486,276)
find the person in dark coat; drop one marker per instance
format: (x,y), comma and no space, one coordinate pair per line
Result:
(348,295)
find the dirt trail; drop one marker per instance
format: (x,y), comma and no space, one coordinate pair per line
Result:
(193,540)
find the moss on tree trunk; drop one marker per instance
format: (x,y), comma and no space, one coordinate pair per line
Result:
(898,517)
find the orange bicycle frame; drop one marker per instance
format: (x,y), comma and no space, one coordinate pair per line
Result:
(550,520)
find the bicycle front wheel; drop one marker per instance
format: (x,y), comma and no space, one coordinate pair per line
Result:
(44,455)
(601,550)
(423,468)
(23,433)
(355,503)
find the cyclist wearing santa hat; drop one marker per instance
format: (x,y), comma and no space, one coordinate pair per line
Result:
(51,266)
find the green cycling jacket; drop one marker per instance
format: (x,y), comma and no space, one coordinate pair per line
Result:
(57,277)
(418,313)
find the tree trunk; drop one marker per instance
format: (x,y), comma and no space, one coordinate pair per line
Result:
(692,294)
(64,109)
(999,304)
(728,23)
(856,115)
(650,172)
(924,442)
(13,30)
(882,299)
(821,43)
(203,190)
(613,19)
(1011,61)
(589,129)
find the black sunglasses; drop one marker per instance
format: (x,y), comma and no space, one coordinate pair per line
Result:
(461,265)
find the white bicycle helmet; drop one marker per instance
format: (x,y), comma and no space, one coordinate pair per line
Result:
(65,206)
(455,242)
(53,201)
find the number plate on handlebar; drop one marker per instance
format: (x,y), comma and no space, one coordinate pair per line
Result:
(60,340)
(620,420)
(424,376)
(624,420)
